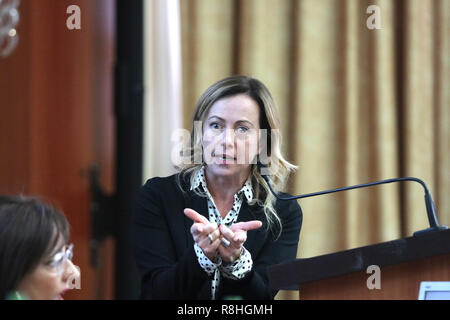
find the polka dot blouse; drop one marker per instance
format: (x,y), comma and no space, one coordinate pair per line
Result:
(215,269)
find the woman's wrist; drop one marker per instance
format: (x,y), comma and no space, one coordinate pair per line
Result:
(233,258)
(239,268)
(207,264)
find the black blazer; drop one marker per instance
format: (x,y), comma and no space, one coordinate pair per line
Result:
(164,247)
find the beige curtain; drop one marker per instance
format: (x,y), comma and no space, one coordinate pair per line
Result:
(162,79)
(357,105)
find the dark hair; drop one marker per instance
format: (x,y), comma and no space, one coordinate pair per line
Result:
(29,230)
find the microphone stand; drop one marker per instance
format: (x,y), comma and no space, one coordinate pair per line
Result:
(431,209)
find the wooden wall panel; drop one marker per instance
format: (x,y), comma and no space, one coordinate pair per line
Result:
(57,118)
(14,103)
(398,282)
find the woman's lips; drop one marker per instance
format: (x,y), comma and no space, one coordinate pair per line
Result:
(224,159)
(60,295)
(224,156)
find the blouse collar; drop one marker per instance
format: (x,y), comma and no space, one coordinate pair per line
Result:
(200,180)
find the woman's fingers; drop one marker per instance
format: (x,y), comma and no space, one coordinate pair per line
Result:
(197,228)
(214,235)
(209,243)
(233,251)
(209,239)
(195,216)
(226,232)
(246,226)
(210,227)
(240,237)
(235,239)
(210,249)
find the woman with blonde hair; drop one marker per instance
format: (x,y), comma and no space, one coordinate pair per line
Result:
(232,228)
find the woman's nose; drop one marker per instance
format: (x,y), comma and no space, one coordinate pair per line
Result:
(71,272)
(228,138)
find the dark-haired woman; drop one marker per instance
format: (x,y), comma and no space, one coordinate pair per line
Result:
(35,260)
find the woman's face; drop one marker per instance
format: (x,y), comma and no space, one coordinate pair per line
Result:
(47,281)
(230,136)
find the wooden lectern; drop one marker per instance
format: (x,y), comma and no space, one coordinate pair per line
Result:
(403,264)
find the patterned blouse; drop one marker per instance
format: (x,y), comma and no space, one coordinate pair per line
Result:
(215,269)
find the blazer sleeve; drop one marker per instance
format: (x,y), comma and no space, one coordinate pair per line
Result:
(255,286)
(164,276)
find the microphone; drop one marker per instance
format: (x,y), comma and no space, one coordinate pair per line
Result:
(429,203)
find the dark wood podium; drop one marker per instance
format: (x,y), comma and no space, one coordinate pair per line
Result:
(403,263)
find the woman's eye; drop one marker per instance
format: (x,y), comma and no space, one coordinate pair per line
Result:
(242,130)
(48,263)
(57,258)
(51,264)
(214,125)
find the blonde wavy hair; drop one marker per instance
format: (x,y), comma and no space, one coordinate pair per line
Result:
(279,167)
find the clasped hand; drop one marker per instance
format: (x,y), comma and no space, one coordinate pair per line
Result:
(208,236)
